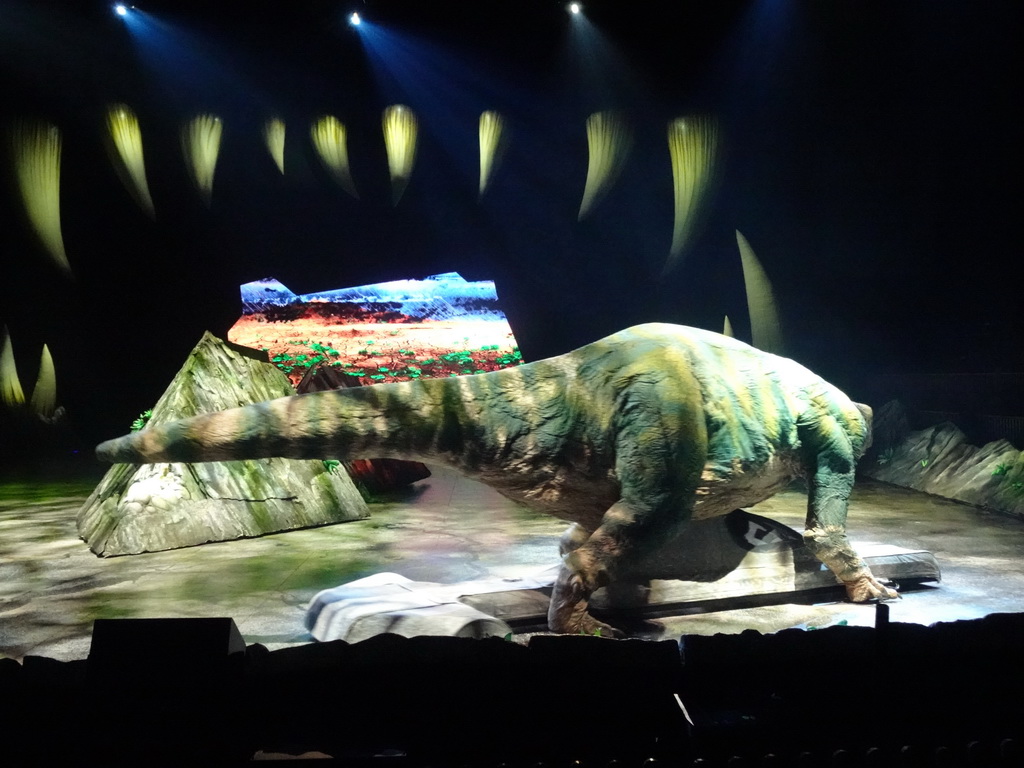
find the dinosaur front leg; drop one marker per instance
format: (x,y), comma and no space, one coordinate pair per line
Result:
(825,534)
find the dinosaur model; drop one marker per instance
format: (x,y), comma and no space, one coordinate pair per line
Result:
(628,438)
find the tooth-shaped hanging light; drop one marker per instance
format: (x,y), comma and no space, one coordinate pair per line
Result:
(492,129)
(330,139)
(11,393)
(127,141)
(200,140)
(44,395)
(765,328)
(36,149)
(273,135)
(609,140)
(692,144)
(400,132)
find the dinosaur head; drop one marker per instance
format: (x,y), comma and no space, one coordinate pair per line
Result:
(868,414)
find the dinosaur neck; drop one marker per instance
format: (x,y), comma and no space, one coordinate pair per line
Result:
(432,420)
(464,422)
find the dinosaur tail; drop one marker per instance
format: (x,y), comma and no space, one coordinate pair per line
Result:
(336,424)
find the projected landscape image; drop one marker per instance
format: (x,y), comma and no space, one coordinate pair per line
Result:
(395,331)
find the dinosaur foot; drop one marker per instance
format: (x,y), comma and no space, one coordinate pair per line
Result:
(567,613)
(588,625)
(576,621)
(867,588)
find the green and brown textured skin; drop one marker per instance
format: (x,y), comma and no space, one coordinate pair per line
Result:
(628,438)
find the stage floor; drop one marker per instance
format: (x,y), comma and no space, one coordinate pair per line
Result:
(445,529)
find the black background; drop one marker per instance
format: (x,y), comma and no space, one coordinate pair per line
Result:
(869,155)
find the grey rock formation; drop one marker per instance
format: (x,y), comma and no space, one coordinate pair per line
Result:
(939,460)
(152,507)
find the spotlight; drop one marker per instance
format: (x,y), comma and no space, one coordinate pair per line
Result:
(574,8)
(355,20)
(121,10)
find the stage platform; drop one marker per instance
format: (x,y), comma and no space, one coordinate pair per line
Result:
(449,530)
(718,564)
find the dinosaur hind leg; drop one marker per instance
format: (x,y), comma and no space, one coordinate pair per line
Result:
(585,568)
(660,449)
(575,536)
(621,594)
(597,562)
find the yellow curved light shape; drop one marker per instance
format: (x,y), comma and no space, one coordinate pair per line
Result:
(400,133)
(36,147)
(330,139)
(200,140)
(127,139)
(273,135)
(609,140)
(727,329)
(692,145)
(11,393)
(765,328)
(44,395)
(492,128)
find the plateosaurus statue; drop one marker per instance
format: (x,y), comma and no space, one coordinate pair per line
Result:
(628,438)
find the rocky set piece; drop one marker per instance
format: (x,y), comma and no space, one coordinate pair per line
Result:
(628,438)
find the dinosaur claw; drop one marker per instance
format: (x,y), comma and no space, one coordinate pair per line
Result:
(868,588)
(591,626)
(568,613)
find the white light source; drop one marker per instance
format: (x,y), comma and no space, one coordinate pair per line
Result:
(574,7)
(121,10)
(355,20)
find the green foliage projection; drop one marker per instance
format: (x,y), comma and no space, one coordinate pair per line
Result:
(142,420)
(379,364)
